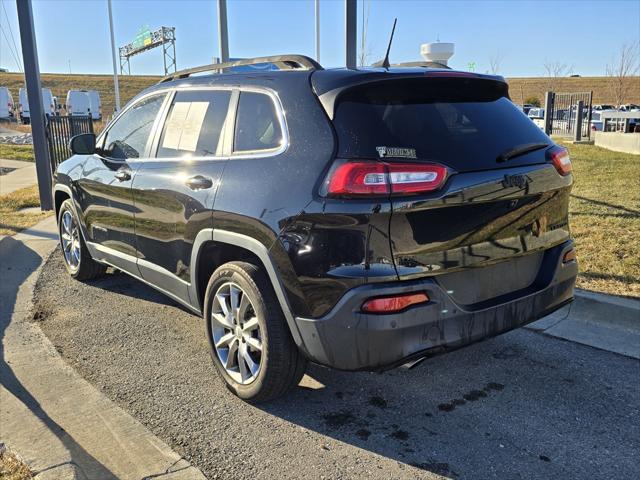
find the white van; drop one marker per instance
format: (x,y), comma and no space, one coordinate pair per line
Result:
(78,102)
(6,104)
(83,102)
(23,104)
(96,104)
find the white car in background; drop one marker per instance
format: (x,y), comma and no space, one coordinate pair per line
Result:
(536,114)
(6,104)
(48,104)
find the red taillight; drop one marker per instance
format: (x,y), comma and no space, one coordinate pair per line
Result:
(394,303)
(381,178)
(359,178)
(411,178)
(560,158)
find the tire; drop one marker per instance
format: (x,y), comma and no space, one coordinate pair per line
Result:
(280,364)
(75,254)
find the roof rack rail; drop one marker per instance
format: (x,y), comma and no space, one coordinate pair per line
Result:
(423,64)
(283,62)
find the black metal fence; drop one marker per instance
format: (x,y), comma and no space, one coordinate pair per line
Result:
(59,130)
(564,112)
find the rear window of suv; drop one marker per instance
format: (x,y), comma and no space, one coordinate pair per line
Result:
(460,122)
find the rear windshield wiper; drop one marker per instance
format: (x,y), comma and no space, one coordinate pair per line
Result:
(520,150)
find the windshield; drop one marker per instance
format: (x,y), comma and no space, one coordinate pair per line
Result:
(462,123)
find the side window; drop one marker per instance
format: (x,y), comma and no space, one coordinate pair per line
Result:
(195,123)
(127,137)
(257,125)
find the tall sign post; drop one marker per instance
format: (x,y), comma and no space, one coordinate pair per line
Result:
(350,32)
(34,94)
(223,33)
(317,17)
(116,87)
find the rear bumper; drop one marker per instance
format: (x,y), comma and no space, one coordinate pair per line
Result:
(348,339)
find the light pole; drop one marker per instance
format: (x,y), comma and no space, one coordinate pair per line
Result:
(350,32)
(116,87)
(34,94)
(223,33)
(317,11)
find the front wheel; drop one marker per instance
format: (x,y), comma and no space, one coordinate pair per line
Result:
(76,256)
(251,345)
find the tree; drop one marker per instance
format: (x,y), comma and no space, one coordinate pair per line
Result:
(364,54)
(495,62)
(554,71)
(619,71)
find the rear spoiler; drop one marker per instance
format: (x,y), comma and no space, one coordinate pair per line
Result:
(329,98)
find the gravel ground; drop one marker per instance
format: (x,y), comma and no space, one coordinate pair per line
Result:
(518,406)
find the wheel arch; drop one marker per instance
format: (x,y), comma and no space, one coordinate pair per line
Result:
(60,194)
(214,247)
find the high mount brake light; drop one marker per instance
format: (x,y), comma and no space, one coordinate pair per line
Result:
(451,74)
(381,178)
(559,156)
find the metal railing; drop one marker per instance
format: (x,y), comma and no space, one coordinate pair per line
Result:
(59,130)
(624,122)
(565,114)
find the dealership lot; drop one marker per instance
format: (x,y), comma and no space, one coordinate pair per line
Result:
(519,406)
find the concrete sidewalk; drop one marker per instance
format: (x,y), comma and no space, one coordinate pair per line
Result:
(600,321)
(60,424)
(23,176)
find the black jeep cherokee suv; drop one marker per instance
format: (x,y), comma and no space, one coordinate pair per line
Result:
(360,219)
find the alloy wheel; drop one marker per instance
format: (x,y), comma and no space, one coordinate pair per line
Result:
(237,336)
(70,238)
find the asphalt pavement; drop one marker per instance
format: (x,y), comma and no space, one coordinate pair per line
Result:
(522,405)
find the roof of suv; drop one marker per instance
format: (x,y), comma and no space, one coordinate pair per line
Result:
(323,80)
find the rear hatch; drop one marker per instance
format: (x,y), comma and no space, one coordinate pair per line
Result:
(501,202)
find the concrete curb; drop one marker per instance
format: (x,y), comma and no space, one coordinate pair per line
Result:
(60,424)
(601,321)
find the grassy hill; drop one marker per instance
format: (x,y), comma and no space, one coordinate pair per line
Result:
(60,84)
(520,88)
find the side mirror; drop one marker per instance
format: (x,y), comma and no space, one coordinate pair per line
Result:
(83,144)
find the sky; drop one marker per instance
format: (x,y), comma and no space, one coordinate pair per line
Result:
(73,35)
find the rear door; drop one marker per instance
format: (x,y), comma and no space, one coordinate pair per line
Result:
(493,204)
(174,191)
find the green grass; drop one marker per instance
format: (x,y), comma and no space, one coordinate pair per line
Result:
(605,219)
(17,152)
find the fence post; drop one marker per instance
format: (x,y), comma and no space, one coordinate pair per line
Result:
(548,113)
(578,131)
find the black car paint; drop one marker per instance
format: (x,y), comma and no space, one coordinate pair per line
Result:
(322,248)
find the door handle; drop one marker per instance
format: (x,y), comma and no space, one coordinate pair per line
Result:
(123,174)
(199,182)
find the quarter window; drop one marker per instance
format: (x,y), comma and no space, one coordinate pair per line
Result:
(128,136)
(257,125)
(195,124)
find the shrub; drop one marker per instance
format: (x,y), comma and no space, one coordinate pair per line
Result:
(535,101)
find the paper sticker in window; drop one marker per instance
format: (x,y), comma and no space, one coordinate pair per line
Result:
(184,125)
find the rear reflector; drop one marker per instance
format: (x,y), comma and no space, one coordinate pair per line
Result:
(570,256)
(380,178)
(559,156)
(393,304)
